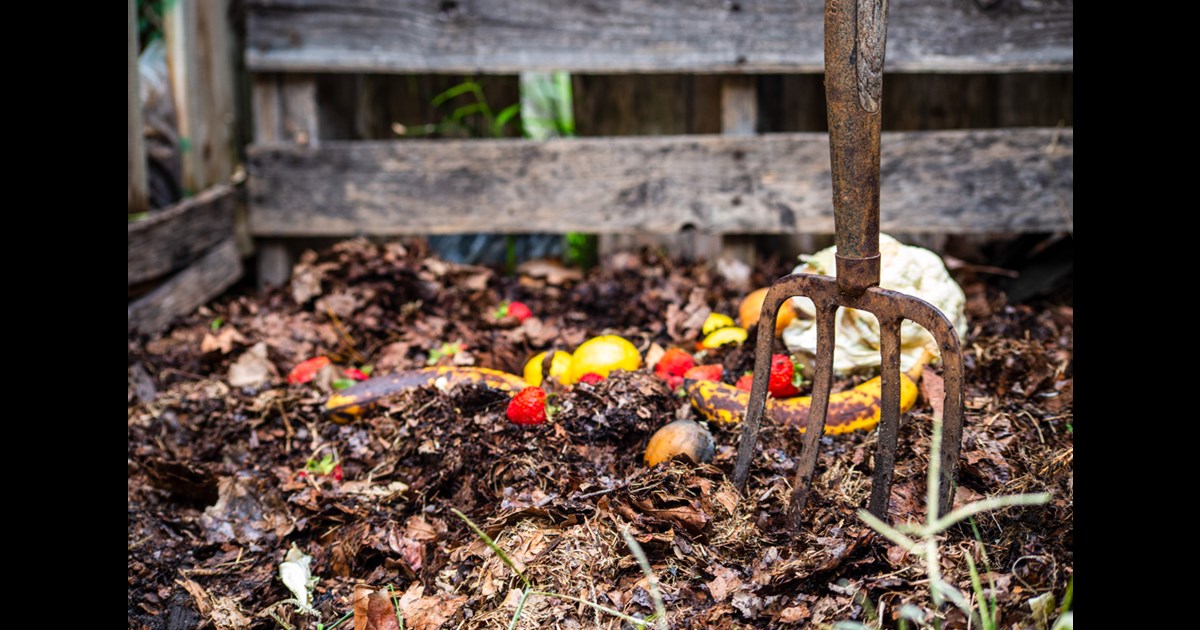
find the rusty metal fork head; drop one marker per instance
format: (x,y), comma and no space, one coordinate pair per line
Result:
(855,38)
(891,308)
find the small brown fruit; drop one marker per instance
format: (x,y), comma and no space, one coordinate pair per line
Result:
(680,436)
(751,309)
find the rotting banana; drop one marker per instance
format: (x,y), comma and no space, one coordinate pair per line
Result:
(354,401)
(850,410)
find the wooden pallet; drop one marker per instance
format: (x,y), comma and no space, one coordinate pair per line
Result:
(1017,179)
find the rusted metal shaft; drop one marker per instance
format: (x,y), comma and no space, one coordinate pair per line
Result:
(855,34)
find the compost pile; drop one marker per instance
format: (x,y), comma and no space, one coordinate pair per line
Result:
(225,477)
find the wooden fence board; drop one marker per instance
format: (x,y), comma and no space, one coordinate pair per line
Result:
(138,192)
(200,55)
(205,279)
(940,181)
(170,239)
(753,36)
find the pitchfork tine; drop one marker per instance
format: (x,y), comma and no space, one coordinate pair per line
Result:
(817,410)
(758,390)
(889,425)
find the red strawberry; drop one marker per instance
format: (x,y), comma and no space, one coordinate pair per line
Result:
(520,311)
(591,378)
(356,374)
(528,407)
(712,372)
(745,382)
(336,473)
(674,362)
(306,371)
(785,377)
(516,309)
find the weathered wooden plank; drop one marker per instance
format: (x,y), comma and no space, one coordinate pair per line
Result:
(652,104)
(201,62)
(138,191)
(739,117)
(298,97)
(941,181)
(739,106)
(187,290)
(268,109)
(752,36)
(168,240)
(297,123)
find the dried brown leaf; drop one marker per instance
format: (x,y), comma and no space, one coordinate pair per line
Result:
(373,609)
(223,340)
(253,368)
(794,614)
(223,612)
(428,613)
(933,389)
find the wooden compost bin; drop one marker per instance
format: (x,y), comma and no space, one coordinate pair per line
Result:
(184,255)
(734,181)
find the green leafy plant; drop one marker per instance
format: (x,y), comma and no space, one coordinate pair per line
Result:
(458,118)
(324,466)
(658,617)
(447,349)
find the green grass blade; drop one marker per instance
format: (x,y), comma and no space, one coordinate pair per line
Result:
(344,618)
(457,90)
(487,540)
(643,562)
(605,609)
(503,117)
(985,615)
(1066,603)
(890,533)
(520,608)
(971,509)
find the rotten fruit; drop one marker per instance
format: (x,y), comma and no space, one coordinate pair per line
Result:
(352,402)
(715,321)
(603,355)
(560,366)
(711,372)
(751,309)
(685,437)
(722,336)
(528,407)
(673,365)
(849,410)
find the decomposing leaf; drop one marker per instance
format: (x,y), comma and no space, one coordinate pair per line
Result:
(223,340)
(365,488)
(373,609)
(307,276)
(428,613)
(244,512)
(725,581)
(223,612)
(794,614)
(933,389)
(253,368)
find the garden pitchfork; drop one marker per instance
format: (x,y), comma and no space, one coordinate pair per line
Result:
(855,36)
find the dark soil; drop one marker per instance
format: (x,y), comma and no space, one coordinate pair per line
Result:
(215,497)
